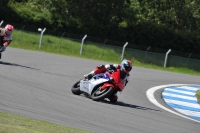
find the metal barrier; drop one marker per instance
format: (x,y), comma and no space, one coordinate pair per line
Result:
(115,52)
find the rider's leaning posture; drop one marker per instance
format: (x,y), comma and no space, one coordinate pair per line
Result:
(5,37)
(125,67)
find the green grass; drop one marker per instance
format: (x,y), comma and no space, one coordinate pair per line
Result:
(63,46)
(198,95)
(17,124)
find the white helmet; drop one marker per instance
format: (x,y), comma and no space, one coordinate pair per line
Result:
(8,29)
(126,65)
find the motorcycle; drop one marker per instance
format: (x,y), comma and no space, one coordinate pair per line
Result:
(100,86)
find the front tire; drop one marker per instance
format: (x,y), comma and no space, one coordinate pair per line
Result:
(76,88)
(100,94)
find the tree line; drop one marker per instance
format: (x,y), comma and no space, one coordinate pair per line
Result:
(160,24)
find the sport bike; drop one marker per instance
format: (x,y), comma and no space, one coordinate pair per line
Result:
(100,86)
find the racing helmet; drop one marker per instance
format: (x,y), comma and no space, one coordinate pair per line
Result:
(8,29)
(126,65)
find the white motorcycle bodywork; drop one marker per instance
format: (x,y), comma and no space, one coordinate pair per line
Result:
(87,86)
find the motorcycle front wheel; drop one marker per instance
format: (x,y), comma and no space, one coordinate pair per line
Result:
(100,93)
(76,88)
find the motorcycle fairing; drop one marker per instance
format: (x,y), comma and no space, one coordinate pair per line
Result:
(117,79)
(105,85)
(87,86)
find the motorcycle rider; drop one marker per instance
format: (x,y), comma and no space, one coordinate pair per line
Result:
(5,37)
(125,67)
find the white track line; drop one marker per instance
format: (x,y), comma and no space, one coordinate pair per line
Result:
(150,96)
(178,96)
(183,92)
(193,105)
(189,88)
(188,112)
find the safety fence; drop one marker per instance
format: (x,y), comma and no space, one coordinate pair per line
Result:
(115,51)
(159,59)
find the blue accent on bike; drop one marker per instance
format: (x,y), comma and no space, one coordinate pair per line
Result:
(102,75)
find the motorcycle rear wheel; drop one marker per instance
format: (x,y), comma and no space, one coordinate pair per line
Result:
(100,94)
(76,88)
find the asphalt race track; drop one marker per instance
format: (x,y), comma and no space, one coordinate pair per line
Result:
(38,85)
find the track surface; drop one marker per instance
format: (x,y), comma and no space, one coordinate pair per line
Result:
(38,85)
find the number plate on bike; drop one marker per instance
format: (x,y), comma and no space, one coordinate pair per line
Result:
(84,85)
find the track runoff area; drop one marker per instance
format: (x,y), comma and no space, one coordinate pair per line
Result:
(180,99)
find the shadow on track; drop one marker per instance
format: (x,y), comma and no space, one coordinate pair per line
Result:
(119,103)
(13,64)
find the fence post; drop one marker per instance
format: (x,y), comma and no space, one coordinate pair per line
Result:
(82,44)
(122,56)
(42,31)
(104,47)
(188,58)
(146,53)
(166,57)
(60,39)
(1,23)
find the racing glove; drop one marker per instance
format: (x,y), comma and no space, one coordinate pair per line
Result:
(112,67)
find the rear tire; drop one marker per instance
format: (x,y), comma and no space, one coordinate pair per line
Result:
(76,88)
(100,94)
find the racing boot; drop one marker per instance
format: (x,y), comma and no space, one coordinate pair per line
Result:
(89,76)
(113,98)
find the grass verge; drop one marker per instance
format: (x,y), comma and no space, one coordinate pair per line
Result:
(17,124)
(198,95)
(64,46)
